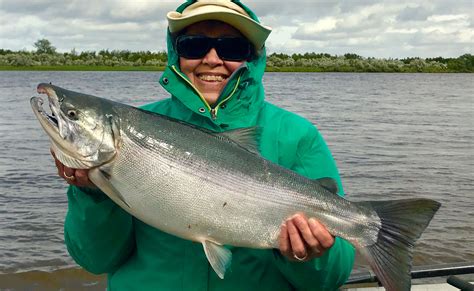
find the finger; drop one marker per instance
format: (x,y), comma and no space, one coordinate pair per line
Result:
(69,175)
(321,233)
(58,164)
(297,245)
(68,172)
(301,222)
(60,167)
(284,241)
(64,172)
(82,178)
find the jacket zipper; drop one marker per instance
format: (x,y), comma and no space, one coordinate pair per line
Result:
(215,109)
(192,85)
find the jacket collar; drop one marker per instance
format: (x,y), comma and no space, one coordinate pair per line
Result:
(240,101)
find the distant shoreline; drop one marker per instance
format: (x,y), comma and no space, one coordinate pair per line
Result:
(161,68)
(81,68)
(47,59)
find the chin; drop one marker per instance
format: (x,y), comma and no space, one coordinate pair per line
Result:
(211,98)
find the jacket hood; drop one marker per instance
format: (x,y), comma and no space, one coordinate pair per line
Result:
(239,103)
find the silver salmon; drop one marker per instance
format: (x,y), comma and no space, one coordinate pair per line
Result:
(214,188)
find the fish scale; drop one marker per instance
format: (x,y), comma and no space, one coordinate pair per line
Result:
(214,189)
(193,192)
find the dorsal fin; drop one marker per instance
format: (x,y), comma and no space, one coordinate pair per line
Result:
(328,183)
(247,137)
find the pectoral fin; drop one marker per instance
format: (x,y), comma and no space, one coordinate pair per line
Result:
(101,181)
(328,183)
(218,256)
(248,138)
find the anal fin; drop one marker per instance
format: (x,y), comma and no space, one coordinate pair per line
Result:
(218,256)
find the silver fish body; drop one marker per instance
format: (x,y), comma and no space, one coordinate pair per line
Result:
(214,188)
(195,180)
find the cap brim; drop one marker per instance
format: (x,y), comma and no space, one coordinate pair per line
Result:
(252,30)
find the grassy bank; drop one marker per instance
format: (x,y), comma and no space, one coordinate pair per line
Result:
(351,70)
(105,60)
(81,68)
(161,68)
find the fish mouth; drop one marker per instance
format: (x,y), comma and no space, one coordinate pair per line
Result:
(37,105)
(49,121)
(77,144)
(52,122)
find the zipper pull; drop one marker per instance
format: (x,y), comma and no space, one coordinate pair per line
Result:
(214,113)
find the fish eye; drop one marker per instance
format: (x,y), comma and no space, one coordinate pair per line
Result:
(72,114)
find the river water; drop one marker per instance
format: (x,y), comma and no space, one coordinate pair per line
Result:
(392,135)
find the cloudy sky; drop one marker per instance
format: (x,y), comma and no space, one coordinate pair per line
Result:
(382,29)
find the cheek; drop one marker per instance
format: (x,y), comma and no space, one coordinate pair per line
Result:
(188,66)
(232,66)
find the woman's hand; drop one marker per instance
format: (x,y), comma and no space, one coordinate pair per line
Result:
(302,239)
(76,177)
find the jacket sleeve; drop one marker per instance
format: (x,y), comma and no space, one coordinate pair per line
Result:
(330,271)
(98,233)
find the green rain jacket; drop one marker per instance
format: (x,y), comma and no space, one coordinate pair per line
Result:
(103,238)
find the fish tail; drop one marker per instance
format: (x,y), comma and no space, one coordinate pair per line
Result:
(402,223)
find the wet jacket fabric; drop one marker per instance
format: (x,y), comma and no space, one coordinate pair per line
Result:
(103,238)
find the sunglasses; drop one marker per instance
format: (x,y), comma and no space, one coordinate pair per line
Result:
(227,48)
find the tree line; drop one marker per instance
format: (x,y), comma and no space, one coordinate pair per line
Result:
(46,56)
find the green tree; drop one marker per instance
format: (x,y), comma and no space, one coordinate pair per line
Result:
(350,56)
(44,46)
(464,63)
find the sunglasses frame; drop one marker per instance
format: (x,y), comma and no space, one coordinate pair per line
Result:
(213,42)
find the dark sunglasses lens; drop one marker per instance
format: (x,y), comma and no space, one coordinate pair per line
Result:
(192,47)
(228,48)
(233,49)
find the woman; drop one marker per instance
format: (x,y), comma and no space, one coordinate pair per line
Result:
(216,60)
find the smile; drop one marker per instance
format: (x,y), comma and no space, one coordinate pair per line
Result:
(211,78)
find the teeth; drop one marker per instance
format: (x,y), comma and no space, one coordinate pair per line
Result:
(214,78)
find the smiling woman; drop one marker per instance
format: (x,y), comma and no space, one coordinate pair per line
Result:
(208,68)
(216,61)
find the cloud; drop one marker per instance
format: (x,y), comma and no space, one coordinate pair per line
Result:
(364,22)
(391,28)
(85,25)
(413,14)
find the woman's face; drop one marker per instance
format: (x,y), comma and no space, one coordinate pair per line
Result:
(210,73)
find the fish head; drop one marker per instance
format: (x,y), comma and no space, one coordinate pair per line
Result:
(83,129)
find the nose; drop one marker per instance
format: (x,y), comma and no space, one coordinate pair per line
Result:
(212,58)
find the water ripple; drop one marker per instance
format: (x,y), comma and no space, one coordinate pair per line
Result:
(392,136)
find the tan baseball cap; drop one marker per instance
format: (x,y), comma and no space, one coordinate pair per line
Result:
(222,10)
